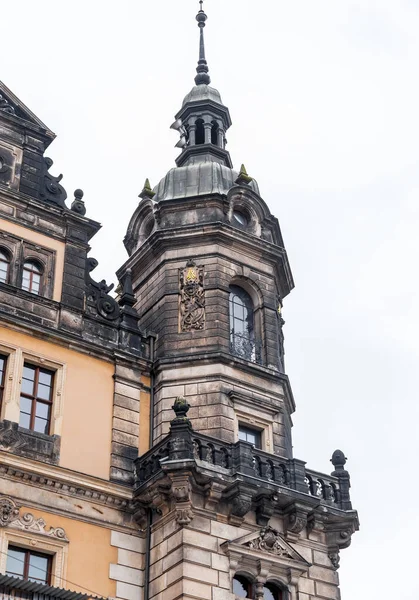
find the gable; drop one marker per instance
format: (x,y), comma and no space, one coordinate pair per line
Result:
(11,105)
(268,541)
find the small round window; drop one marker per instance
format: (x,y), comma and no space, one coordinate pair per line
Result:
(240,219)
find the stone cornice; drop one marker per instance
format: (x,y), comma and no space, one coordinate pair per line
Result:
(64,481)
(71,341)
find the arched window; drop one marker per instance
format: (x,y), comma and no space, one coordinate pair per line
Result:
(4,266)
(214,133)
(272,592)
(242,334)
(31,277)
(200,132)
(242,587)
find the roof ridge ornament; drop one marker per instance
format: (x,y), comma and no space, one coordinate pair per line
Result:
(202,77)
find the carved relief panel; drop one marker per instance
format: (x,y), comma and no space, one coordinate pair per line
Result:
(192,297)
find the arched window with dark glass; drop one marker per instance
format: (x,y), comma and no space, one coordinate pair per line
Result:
(4,266)
(31,277)
(242,325)
(242,587)
(272,592)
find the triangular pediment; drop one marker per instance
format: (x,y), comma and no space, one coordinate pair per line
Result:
(269,543)
(11,105)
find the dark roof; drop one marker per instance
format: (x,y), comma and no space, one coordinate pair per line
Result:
(30,587)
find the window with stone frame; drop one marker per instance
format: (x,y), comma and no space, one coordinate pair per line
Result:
(27,265)
(32,273)
(3,363)
(28,565)
(244,587)
(242,324)
(248,434)
(36,398)
(4,265)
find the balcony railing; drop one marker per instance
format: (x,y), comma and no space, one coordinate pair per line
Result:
(242,459)
(246,347)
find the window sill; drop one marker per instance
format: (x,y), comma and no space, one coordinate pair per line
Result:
(24,442)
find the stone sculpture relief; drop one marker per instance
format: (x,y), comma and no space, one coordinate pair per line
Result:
(192,297)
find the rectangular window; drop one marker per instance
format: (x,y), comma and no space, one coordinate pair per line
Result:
(36,398)
(28,565)
(3,361)
(253,436)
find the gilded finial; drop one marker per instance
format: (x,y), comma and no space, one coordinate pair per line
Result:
(243,177)
(147,192)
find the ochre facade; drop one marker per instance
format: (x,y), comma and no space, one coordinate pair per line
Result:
(145,432)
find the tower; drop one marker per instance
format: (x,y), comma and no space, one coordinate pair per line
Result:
(226,508)
(145,433)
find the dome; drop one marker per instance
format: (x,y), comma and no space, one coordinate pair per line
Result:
(198,179)
(202,92)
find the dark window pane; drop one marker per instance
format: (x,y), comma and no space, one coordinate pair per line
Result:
(25,405)
(29,372)
(38,568)
(25,420)
(45,377)
(271,592)
(251,438)
(241,587)
(44,392)
(42,410)
(41,425)
(27,387)
(15,562)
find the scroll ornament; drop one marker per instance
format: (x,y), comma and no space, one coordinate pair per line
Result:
(192,297)
(10,516)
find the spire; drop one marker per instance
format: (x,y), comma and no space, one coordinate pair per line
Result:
(202,68)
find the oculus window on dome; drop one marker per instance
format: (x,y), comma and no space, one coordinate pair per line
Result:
(240,219)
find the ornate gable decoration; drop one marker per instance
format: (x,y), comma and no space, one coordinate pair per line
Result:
(192,297)
(10,517)
(266,553)
(270,541)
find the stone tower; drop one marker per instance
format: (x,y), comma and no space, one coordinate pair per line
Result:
(225,508)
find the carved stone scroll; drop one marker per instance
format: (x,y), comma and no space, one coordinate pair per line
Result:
(192,297)
(10,516)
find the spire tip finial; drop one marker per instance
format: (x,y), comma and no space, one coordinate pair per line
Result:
(202,70)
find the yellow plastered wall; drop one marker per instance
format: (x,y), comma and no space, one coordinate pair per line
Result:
(89,554)
(144,436)
(45,241)
(87,404)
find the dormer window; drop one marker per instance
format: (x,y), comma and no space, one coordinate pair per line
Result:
(4,266)
(31,277)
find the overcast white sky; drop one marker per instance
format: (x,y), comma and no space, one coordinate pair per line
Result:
(324,99)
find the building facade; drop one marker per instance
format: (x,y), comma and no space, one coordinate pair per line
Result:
(145,435)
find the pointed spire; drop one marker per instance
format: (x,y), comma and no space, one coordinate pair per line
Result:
(202,68)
